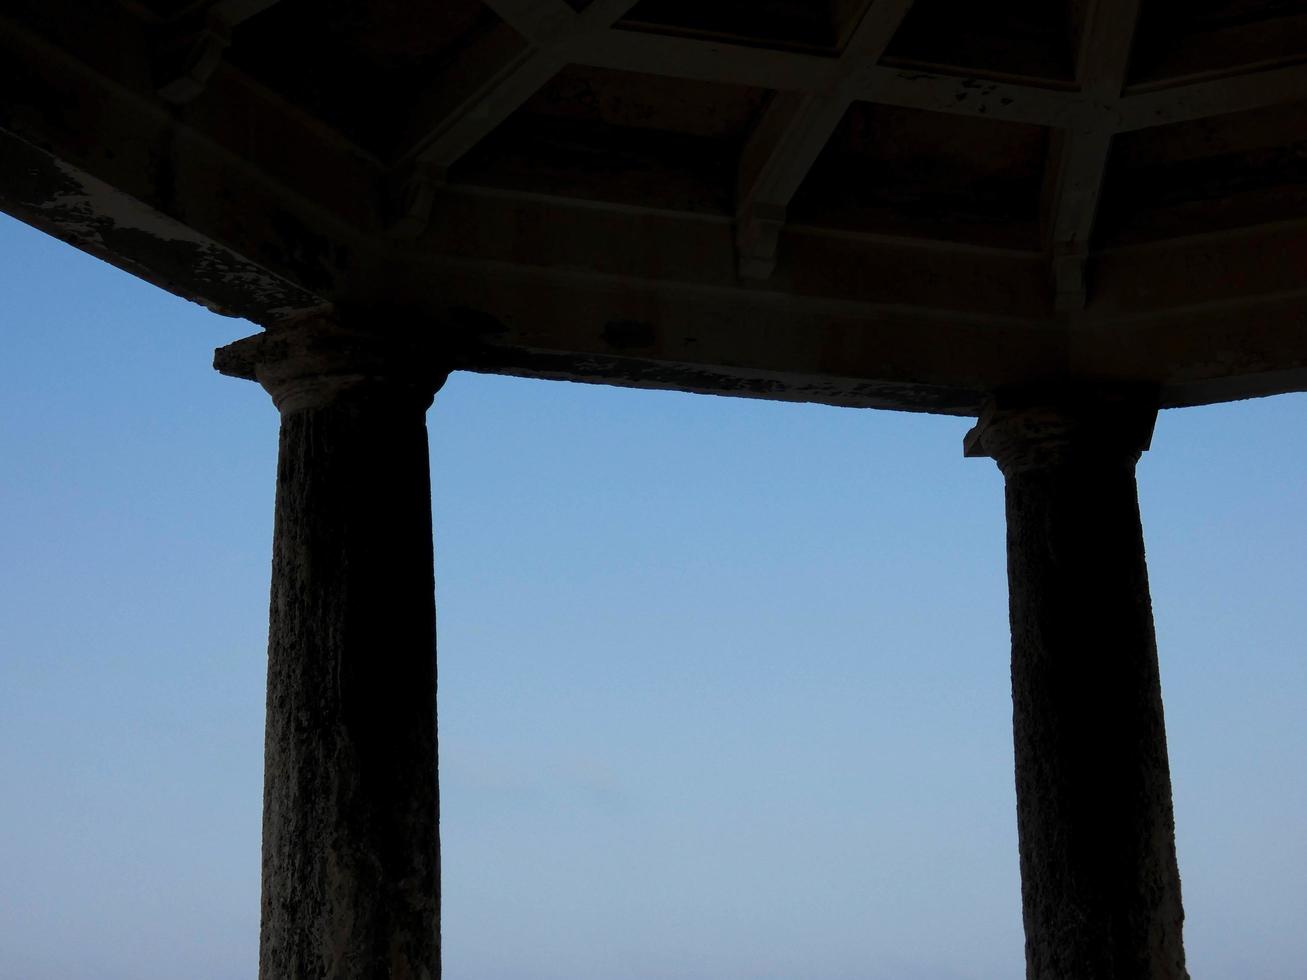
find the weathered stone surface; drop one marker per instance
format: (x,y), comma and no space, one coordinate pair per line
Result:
(1099,880)
(351,865)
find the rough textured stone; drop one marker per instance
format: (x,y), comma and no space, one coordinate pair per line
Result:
(351,866)
(1099,881)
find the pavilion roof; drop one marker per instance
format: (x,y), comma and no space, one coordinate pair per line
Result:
(902,203)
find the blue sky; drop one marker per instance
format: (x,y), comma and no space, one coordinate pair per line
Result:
(723,683)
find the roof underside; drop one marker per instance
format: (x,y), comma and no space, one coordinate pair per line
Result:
(892,204)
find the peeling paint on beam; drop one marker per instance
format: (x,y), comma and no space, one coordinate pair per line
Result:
(244,174)
(629,372)
(89,214)
(932,91)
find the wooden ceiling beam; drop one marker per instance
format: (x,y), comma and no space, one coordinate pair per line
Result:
(1217,271)
(1257,44)
(706,61)
(733,64)
(791,135)
(1198,100)
(449,127)
(1203,336)
(541,22)
(967,95)
(469,102)
(696,252)
(1103,57)
(548,23)
(493,76)
(962,94)
(781,150)
(1079,163)
(192,47)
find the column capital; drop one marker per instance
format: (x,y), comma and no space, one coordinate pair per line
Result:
(312,361)
(1038,429)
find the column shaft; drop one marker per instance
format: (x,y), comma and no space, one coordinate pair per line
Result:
(1100,885)
(351,871)
(351,851)
(1099,881)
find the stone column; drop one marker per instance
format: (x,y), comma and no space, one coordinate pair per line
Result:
(1100,887)
(351,854)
